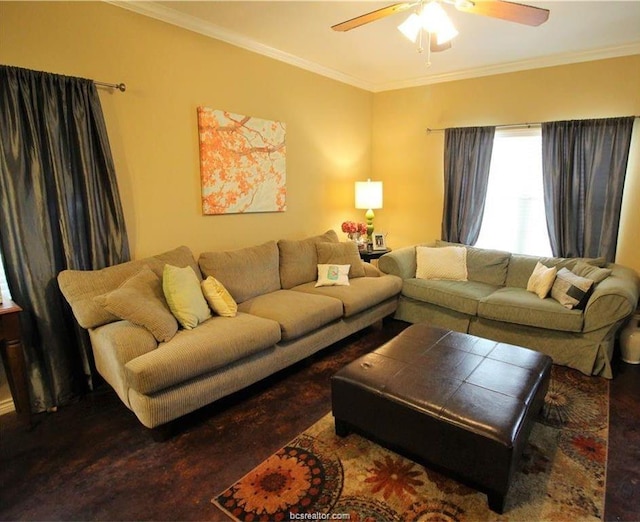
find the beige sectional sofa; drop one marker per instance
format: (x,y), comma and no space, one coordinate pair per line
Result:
(494,303)
(282,318)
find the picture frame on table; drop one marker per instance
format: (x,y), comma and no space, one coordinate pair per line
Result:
(379,242)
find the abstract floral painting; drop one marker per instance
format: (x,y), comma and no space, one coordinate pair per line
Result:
(242,163)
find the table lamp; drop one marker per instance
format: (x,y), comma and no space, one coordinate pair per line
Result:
(369,197)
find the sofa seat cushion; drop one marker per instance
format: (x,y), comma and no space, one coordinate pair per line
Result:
(362,292)
(461,296)
(295,312)
(216,343)
(516,305)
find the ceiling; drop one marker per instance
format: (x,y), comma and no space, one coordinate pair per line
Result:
(377,57)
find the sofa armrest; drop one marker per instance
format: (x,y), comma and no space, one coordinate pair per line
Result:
(613,299)
(371,270)
(114,345)
(401,262)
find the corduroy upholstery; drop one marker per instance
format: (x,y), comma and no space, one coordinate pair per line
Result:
(299,259)
(296,313)
(362,292)
(274,327)
(80,287)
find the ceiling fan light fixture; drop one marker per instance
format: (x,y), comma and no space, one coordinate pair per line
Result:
(436,21)
(411,27)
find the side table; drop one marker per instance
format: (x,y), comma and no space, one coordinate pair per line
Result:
(13,357)
(368,255)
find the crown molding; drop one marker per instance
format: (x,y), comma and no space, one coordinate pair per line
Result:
(522,65)
(166,14)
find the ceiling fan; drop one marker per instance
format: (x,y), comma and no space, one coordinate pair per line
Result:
(431,17)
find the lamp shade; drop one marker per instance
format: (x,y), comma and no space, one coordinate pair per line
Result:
(368,194)
(411,27)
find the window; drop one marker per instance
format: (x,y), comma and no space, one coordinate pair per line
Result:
(514,216)
(4,288)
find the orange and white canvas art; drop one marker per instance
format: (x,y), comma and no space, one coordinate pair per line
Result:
(242,163)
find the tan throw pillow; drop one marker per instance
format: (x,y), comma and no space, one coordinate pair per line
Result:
(140,301)
(541,280)
(589,271)
(183,293)
(333,275)
(345,253)
(448,263)
(570,290)
(218,297)
(299,259)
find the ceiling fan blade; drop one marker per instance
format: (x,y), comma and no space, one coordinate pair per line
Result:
(435,48)
(373,16)
(520,13)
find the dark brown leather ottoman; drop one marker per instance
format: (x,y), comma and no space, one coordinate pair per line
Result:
(454,402)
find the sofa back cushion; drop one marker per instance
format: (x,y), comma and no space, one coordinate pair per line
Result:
(345,253)
(80,287)
(299,259)
(484,265)
(246,272)
(522,266)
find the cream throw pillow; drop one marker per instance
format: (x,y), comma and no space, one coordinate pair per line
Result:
(333,275)
(140,301)
(218,297)
(448,263)
(184,296)
(541,280)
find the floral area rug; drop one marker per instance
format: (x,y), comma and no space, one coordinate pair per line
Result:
(561,476)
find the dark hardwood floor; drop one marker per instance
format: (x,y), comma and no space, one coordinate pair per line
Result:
(92,460)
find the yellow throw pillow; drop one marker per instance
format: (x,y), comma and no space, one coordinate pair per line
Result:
(184,296)
(218,297)
(541,280)
(333,275)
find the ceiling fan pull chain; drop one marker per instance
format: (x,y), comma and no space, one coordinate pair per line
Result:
(429,52)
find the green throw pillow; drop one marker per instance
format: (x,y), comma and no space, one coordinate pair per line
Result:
(184,296)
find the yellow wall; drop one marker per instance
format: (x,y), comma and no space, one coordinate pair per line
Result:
(153,127)
(411,161)
(336,134)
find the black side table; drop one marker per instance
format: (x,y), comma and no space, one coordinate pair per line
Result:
(368,255)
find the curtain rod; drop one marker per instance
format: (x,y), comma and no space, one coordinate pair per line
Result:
(509,126)
(120,86)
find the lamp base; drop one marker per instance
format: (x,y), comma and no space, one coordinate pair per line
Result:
(369,215)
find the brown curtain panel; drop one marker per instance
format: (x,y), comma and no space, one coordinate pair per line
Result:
(467,159)
(584,164)
(59,209)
